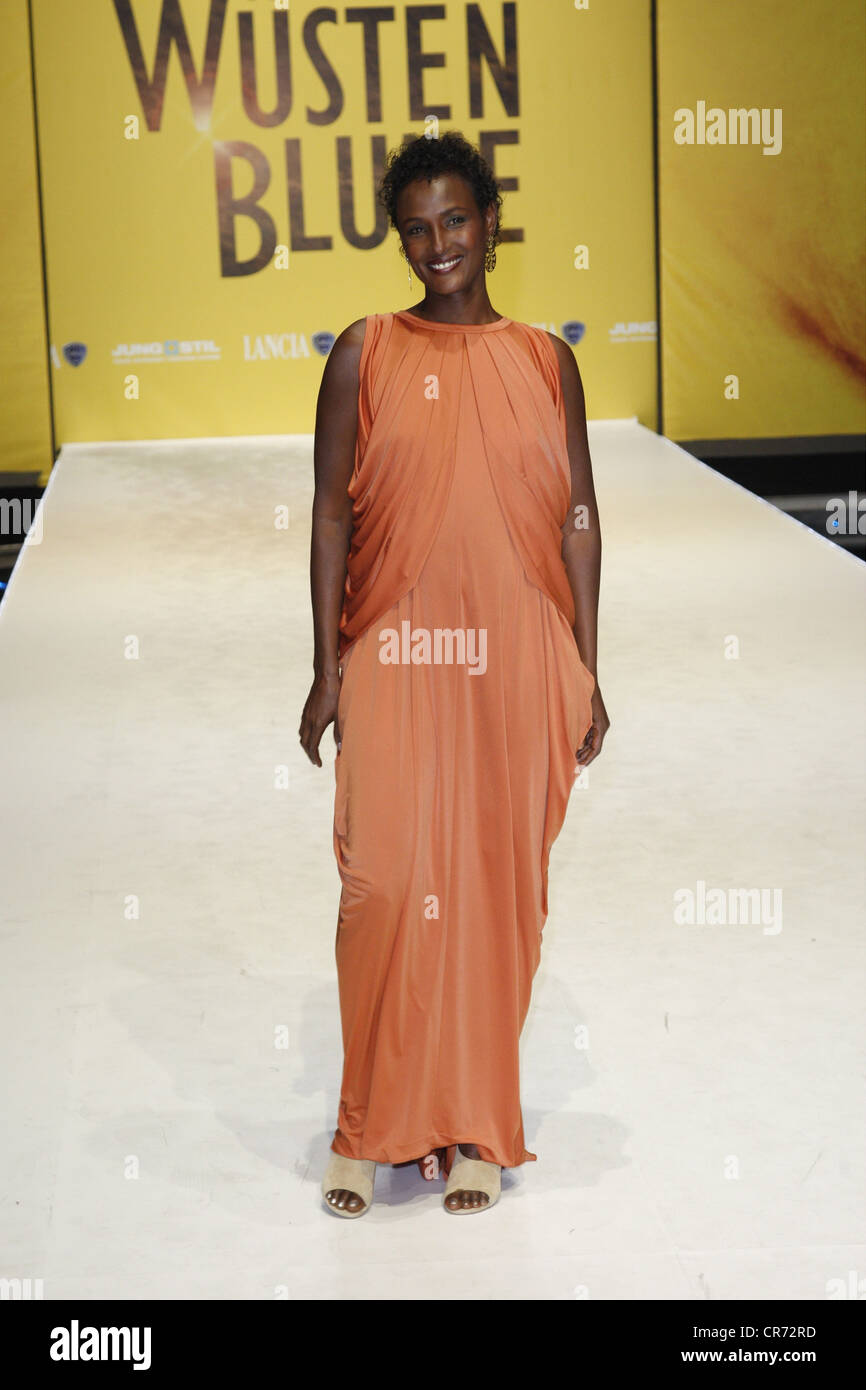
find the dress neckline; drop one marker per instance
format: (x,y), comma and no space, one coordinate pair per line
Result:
(452,327)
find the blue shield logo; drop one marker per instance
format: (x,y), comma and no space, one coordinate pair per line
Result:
(75,353)
(572,332)
(323,342)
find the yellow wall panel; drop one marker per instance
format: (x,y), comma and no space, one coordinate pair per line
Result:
(25,415)
(763,258)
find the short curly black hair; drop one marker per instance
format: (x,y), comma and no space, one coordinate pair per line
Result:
(450,153)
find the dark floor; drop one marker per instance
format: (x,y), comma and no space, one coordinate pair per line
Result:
(824,490)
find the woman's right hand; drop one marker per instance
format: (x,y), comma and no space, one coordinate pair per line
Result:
(319,711)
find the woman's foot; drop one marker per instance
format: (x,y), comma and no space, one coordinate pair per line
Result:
(463,1200)
(346,1201)
(347,1187)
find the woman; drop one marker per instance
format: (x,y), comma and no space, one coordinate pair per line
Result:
(455,571)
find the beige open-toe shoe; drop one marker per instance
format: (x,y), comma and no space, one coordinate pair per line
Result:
(473,1175)
(352,1174)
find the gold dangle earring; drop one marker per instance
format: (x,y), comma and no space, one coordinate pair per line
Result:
(408,267)
(490,254)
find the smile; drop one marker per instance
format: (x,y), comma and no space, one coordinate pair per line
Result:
(443,267)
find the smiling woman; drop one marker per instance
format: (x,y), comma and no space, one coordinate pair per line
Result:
(450,453)
(448,217)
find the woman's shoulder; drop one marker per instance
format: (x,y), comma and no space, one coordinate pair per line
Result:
(358,333)
(348,347)
(532,330)
(559,345)
(353,334)
(553,346)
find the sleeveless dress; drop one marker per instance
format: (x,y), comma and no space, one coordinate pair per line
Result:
(462,703)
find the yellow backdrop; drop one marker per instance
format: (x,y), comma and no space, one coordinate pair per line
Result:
(212,313)
(25,409)
(763,291)
(207,173)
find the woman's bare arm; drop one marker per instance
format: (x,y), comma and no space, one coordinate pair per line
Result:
(333,461)
(581,539)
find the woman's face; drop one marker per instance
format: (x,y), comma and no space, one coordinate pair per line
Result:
(443,233)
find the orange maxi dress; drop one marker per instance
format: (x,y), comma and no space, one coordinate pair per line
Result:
(453,776)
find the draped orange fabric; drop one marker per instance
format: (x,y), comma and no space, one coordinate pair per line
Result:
(463,700)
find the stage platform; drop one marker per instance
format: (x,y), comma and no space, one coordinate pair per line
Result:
(168,996)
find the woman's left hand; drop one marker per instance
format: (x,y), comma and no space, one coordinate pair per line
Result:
(591,746)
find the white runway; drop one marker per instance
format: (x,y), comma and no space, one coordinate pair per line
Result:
(170,1024)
